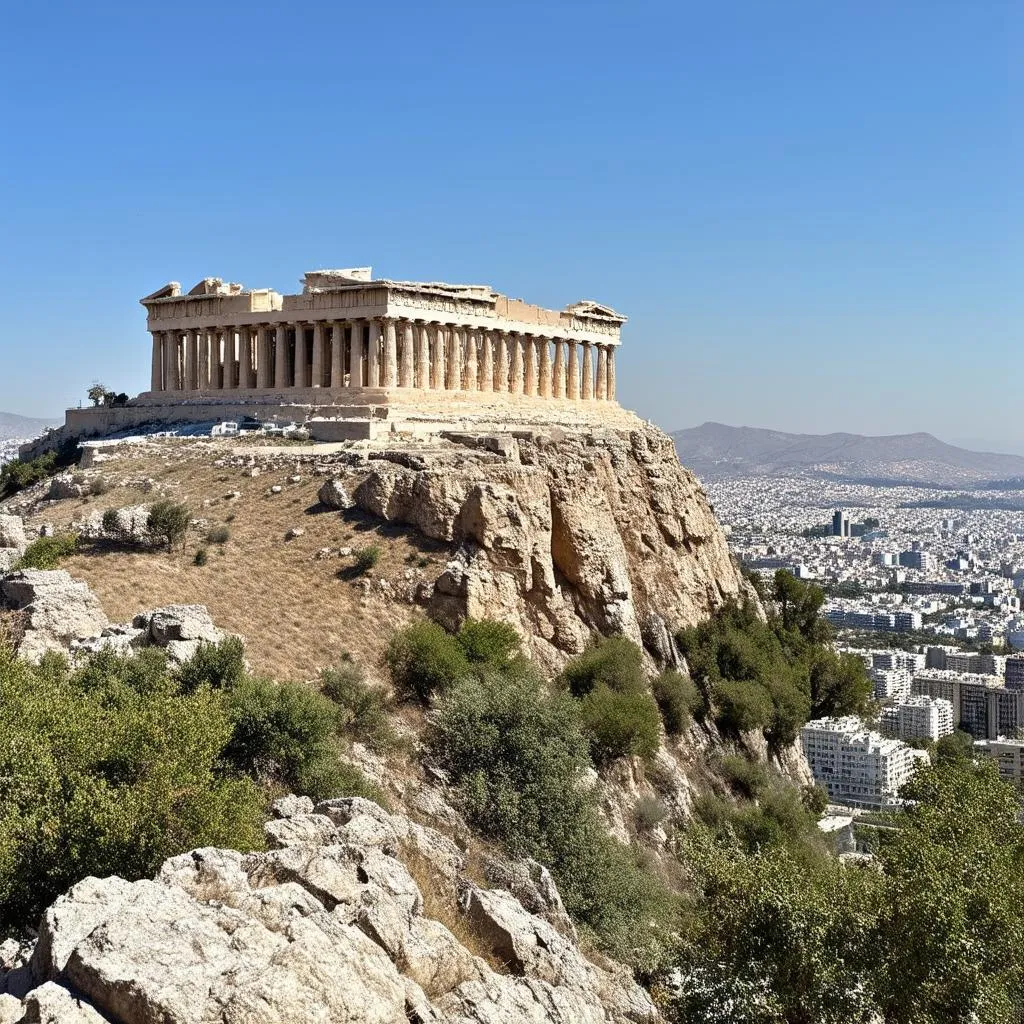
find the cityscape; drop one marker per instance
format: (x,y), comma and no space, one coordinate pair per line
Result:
(923,583)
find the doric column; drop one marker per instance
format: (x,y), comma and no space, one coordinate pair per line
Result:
(517,382)
(337,367)
(390,353)
(574,372)
(602,372)
(406,356)
(191,354)
(373,356)
(203,366)
(611,373)
(530,384)
(422,357)
(437,360)
(454,358)
(228,349)
(318,354)
(245,358)
(263,380)
(588,371)
(472,383)
(545,368)
(281,357)
(487,362)
(300,380)
(156,372)
(501,364)
(356,358)
(170,361)
(559,381)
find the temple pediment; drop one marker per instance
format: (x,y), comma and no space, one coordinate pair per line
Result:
(216,286)
(171,290)
(587,307)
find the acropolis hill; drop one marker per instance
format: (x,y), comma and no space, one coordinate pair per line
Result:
(354,356)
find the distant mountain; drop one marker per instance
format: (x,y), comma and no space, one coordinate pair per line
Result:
(22,426)
(717,451)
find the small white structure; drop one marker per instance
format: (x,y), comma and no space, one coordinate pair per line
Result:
(858,767)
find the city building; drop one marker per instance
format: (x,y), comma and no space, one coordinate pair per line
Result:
(981,706)
(918,718)
(1014,672)
(858,767)
(1009,754)
(840,524)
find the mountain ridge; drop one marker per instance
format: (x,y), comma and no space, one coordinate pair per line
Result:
(13,426)
(717,450)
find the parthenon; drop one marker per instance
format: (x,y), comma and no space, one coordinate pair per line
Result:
(346,332)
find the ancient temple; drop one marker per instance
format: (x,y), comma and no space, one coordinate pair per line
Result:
(346,332)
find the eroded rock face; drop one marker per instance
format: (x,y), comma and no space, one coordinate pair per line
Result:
(595,531)
(329,926)
(12,533)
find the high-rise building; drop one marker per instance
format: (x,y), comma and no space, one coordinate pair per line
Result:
(858,767)
(840,524)
(1015,672)
(918,718)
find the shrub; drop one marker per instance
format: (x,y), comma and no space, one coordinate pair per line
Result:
(17,475)
(169,521)
(201,557)
(744,777)
(48,552)
(678,700)
(742,706)
(108,771)
(112,522)
(612,660)
(619,724)
(423,658)
(363,708)
(219,534)
(219,666)
(648,813)
(487,641)
(99,485)
(365,559)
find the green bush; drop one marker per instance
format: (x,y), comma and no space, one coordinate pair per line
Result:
(111,522)
(744,777)
(17,475)
(169,521)
(619,724)
(614,661)
(48,552)
(109,770)
(202,556)
(219,534)
(648,813)
(678,700)
(365,559)
(487,641)
(99,485)
(422,659)
(742,706)
(219,666)
(363,708)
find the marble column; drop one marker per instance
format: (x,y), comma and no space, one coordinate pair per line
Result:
(191,353)
(356,355)
(602,373)
(545,367)
(471,381)
(203,380)
(300,380)
(437,360)
(263,357)
(517,382)
(588,371)
(574,372)
(559,381)
(229,358)
(501,364)
(246,362)
(406,356)
(611,374)
(390,354)
(281,357)
(487,361)
(530,383)
(337,367)
(422,357)
(454,358)
(156,372)
(318,354)
(170,361)
(373,356)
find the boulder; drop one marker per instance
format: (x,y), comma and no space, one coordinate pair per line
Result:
(67,485)
(334,494)
(12,533)
(59,609)
(54,1004)
(179,628)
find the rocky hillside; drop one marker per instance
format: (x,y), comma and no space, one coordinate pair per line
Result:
(559,534)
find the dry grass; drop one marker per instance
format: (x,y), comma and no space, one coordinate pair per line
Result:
(294,612)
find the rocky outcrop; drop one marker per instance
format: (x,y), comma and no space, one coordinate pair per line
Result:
(561,535)
(58,609)
(328,925)
(334,495)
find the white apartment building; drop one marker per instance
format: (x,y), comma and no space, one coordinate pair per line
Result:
(1009,754)
(858,767)
(919,718)
(891,683)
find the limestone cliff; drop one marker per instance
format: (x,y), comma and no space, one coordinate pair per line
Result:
(561,534)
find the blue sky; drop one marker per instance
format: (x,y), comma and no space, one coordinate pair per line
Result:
(811,212)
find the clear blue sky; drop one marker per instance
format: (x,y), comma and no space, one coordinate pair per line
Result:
(811,211)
